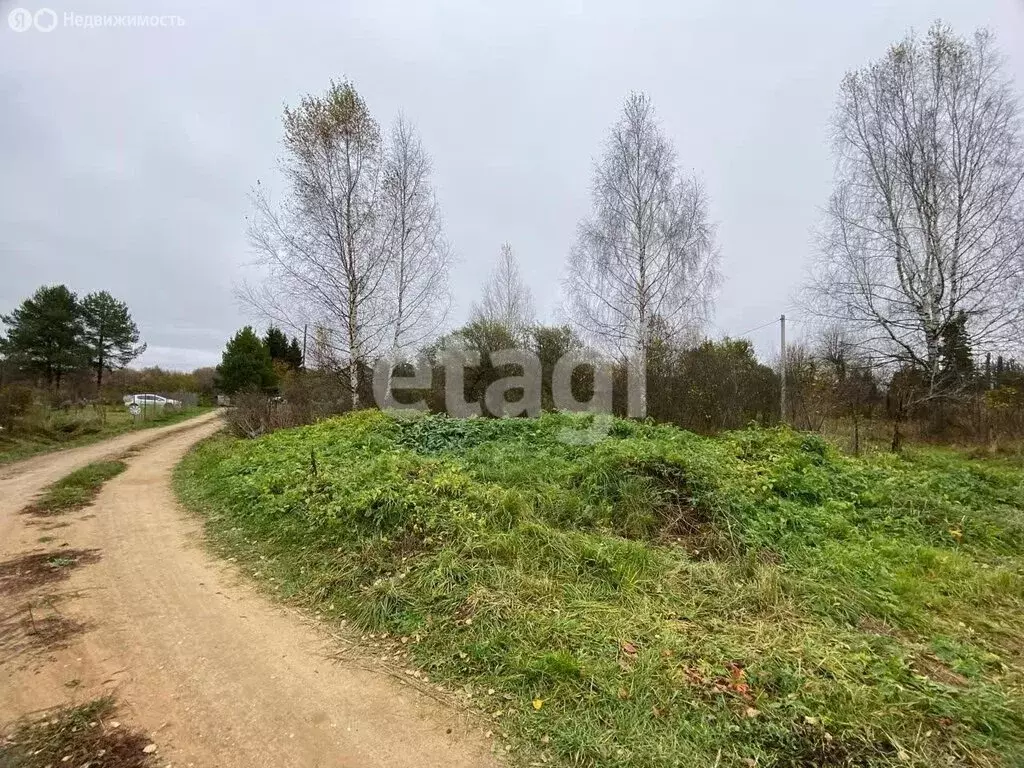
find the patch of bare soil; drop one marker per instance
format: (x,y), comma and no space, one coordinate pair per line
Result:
(874,626)
(700,538)
(36,629)
(681,521)
(934,669)
(39,569)
(49,525)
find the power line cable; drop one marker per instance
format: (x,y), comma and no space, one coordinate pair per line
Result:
(758,328)
(789,319)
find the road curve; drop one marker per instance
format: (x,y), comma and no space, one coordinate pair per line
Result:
(21,480)
(217,674)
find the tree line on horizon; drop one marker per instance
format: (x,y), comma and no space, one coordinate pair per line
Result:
(918,273)
(915,293)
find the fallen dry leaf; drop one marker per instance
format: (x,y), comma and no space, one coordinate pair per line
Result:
(693,676)
(736,671)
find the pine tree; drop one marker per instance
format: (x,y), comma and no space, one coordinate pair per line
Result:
(294,357)
(955,356)
(245,364)
(276,343)
(109,333)
(45,334)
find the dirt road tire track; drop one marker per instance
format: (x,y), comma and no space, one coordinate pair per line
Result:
(217,674)
(22,480)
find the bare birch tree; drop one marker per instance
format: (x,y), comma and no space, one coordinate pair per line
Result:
(646,256)
(925,227)
(355,250)
(507,299)
(420,258)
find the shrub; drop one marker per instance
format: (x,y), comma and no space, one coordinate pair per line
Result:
(253,414)
(15,402)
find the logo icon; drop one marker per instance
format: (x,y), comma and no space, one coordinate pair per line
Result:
(20,20)
(45,20)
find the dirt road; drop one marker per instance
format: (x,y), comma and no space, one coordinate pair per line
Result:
(24,479)
(215,673)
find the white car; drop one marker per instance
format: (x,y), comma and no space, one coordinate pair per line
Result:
(150,401)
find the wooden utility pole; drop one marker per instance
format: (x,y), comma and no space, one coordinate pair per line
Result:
(782,367)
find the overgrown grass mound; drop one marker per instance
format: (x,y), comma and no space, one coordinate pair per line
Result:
(655,598)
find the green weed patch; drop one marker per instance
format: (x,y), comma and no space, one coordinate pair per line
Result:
(77,489)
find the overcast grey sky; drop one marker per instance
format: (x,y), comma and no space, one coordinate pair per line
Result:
(126,154)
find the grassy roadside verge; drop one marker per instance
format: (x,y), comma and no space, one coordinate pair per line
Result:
(118,422)
(75,490)
(655,599)
(76,736)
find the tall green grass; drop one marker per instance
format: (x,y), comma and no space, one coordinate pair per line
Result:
(656,598)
